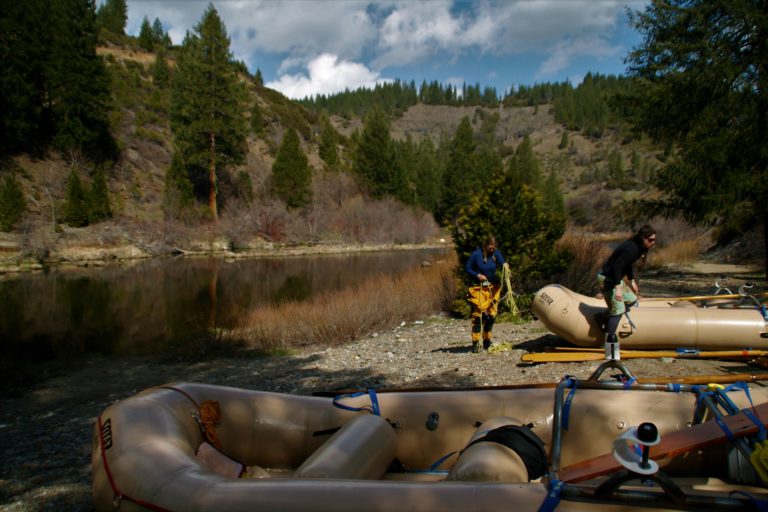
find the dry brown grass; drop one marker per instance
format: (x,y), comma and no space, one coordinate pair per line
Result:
(588,255)
(339,317)
(677,253)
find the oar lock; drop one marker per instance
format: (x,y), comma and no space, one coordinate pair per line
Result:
(625,448)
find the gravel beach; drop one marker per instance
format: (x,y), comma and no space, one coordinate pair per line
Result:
(47,430)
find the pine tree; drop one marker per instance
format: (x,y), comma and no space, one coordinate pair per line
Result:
(24,45)
(161,73)
(98,198)
(525,166)
(375,160)
(427,175)
(291,174)
(12,203)
(553,198)
(113,15)
(178,195)
(77,82)
(328,142)
(704,69)
(75,209)
(159,35)
(208,104)
(146,36)
(459,179)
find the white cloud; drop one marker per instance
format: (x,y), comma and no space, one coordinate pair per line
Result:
(327,75)
(564,51)
(414,31)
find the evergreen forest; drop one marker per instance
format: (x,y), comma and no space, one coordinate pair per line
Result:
(102,127)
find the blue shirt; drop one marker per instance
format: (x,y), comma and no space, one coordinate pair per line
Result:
(479,264)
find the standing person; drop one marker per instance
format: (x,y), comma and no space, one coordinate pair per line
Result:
(618,284)
(482,267)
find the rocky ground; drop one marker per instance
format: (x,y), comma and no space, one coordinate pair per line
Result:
(46,432)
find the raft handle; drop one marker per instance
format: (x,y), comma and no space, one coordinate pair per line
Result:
(432,421)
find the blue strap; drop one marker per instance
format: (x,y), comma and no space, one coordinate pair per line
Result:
(725,429)
(439,461)
(687,351)
(374,407)
(764,312)
(567,404)
(628,382)
(761,432)
(553,496)
(674,387)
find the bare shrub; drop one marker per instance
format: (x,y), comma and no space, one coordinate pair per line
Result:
(676,253)
(383,221)
(338,317)
(588,256)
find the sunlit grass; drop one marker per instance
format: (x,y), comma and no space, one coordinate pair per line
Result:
(676,253)
(338,317)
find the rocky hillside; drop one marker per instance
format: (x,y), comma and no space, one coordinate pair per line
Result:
(136,182)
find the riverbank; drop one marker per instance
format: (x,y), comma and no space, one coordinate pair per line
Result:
(112,244)
(47,430)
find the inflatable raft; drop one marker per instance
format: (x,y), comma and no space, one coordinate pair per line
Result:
(652,323)
(538,447)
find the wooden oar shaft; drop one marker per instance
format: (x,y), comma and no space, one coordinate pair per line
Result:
(705,297)
(693,354)
(682,441)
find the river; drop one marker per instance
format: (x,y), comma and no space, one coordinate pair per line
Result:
(138,309)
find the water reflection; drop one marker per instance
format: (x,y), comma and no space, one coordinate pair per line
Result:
(135,310)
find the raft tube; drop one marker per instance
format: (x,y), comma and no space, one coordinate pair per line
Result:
(310,455)
(654,324)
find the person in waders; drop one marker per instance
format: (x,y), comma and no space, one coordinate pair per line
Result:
(618,285)
(482,266)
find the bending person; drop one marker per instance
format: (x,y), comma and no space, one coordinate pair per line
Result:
(618,284)
(482,267)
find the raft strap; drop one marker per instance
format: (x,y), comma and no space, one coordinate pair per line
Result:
(374,407)
(553,496)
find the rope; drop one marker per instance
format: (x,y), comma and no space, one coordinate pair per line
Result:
(509,297)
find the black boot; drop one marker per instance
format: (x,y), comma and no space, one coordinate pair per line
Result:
(612,348)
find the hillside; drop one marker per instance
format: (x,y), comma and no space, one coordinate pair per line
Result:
(136,182)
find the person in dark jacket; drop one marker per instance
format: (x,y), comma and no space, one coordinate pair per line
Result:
(618,285)
(482,267)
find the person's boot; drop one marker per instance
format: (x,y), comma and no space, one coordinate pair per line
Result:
(476,347)
(612,348)
(487,344)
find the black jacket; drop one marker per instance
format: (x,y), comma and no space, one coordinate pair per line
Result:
(620,263)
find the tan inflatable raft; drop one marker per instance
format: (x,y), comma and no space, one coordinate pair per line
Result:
(452,450)
(657,324)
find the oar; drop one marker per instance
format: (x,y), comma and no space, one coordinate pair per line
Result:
(692,353)
(675,443)
(705,297)
(598,354)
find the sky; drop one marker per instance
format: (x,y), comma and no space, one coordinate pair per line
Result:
(309,47)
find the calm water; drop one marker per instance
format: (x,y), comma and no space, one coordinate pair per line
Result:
(137,309)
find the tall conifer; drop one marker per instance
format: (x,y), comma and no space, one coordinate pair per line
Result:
(208,104)
(77,82)
(459,179)
(291,174)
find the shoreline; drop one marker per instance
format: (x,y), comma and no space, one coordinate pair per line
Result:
(14,262)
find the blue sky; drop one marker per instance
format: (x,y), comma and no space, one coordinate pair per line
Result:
(308,47)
